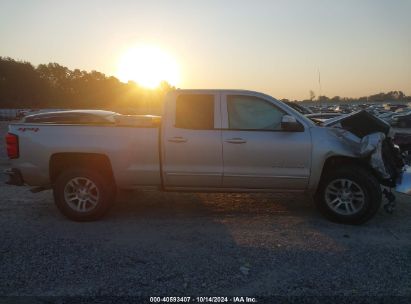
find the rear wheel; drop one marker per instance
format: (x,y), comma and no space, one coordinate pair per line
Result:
(350,195)
(83,194)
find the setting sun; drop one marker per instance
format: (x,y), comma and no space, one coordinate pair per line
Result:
(148,66)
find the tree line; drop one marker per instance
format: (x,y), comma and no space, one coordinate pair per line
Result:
(376,98)
(52,85)
(396,96)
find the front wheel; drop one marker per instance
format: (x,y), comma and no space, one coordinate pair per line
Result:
(83,194)
(350,195)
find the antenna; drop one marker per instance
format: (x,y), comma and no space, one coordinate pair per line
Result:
(319,89)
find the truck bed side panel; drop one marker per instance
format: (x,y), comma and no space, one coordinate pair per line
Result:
(133,152)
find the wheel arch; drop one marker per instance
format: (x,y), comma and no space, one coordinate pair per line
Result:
(94,161)
(338,160)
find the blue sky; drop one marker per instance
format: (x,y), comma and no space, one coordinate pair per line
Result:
(277,47)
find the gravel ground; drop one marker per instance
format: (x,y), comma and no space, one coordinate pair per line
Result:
(176,244)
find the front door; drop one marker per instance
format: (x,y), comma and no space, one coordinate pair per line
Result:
(257,153)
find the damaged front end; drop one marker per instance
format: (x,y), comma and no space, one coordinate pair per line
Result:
(373,141)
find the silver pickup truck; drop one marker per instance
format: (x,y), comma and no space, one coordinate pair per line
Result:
(207,140)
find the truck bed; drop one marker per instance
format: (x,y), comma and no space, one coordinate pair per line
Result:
(132,145)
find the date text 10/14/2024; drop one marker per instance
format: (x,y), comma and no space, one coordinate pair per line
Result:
(203,300)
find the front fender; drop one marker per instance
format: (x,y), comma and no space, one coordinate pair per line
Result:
(326,143)
(331,142)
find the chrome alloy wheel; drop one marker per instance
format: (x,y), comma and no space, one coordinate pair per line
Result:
(344,196)
(81,194)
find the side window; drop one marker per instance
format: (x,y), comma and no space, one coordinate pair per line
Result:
(195,111)
(252,113)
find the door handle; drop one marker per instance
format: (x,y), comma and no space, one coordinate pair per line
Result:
(236,141)
(177,139)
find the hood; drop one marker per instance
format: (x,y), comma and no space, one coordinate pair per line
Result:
(360,123)
(369,138)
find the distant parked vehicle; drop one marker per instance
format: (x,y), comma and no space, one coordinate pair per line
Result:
(40,111)
(387,116)
(299,108)
(314,109)
(22,113)
(402,121)
(321,117)
(404,142)
(397,107)
(7,114)
(345,109)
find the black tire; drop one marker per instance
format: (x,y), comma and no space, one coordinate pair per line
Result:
(362,179)
(103,186)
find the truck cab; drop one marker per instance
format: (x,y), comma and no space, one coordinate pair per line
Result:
(236,140)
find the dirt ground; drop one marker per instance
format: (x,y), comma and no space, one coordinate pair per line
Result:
(177,244)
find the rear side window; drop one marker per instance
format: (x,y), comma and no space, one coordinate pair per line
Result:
(195,111)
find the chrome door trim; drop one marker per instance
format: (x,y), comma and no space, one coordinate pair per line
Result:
(191,174)
(265,176)
(229,190)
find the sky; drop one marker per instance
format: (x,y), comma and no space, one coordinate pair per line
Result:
(360,47)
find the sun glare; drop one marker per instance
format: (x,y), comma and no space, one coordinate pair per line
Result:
(148,66)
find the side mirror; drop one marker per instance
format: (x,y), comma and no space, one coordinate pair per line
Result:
(289,123)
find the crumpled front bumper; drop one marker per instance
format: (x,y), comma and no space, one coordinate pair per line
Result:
(404,183)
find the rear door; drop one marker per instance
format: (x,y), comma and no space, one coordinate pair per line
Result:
(191,141)
(257,153)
